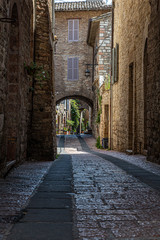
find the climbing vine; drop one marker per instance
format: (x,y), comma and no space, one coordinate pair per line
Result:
(107,82)
(36,72)
(99,107)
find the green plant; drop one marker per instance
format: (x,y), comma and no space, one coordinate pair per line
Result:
(98,116)
(98,143)
(57,156)
(107,82)
(98,119)
(70,123)
(65,129)
(82,125)
(36,72)
(75,114)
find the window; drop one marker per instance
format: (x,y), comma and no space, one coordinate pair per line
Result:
(73,30)
(73,68)
(115,63)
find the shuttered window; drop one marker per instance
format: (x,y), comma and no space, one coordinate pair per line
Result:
(73,30)
(115,64)
(73,69)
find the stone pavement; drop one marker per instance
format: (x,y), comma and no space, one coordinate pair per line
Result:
(89,195)
(110,201)
(48,215)
(16,190)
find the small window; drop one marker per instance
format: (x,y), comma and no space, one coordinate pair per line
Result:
(73,30)
(73,68)
(115,64)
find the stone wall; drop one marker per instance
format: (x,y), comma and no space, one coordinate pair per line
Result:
(82,88)
(131,20)
(43,129)
(3,82)
(15,50)
(153,84)
(100,33)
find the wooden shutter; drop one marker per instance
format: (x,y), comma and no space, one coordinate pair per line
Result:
(70,75)
(70,30)
(115,64)
(76,30)
(75,68)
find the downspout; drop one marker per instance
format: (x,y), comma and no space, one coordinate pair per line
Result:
(53,17)
(93,65)
(53,79)
(111,90)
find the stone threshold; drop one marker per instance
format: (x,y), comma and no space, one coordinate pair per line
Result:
(8,167)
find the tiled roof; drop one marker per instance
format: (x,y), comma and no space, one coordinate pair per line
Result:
(80,6)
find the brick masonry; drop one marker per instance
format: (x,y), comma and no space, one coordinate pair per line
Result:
(131,20)
(82,88)
(100,40)
(27,116)
(43,129)
(15,49)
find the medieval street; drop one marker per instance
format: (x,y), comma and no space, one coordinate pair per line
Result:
(83,194)
(79,119)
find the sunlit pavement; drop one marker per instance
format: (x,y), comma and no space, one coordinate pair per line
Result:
(104,196)
(110,203)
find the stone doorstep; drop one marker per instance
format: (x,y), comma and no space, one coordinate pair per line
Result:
(8,167)
(129,152)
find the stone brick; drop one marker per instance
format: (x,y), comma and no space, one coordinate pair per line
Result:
(131,20)
(14,51)
(42,143)
(82,88)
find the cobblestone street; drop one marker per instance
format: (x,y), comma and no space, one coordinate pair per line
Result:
(16,190)
(110,201)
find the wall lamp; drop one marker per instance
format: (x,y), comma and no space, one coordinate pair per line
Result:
(87,72)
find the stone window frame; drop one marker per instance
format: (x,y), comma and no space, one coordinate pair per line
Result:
(73,30)
(72,68)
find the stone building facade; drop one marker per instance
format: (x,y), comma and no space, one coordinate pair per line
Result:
(99,37)
(153,84)
(76,16)
(42,141)
(22,42)
(135,77)
(15,49)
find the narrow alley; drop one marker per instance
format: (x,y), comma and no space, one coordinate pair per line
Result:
(85,194)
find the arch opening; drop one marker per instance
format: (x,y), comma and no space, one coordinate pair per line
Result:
(78,97)
(73,116)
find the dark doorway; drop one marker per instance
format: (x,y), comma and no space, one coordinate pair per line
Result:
(130,108)
(145,62)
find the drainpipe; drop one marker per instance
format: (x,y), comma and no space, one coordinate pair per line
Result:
(111,85)
(53,17)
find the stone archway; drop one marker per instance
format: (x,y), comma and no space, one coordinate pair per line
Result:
(84,102)
(12,107)
(87,100)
